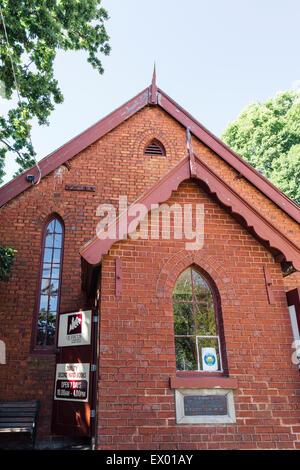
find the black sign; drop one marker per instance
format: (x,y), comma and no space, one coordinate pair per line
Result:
(71,389)
(79,187)
(74,324)
(206,405)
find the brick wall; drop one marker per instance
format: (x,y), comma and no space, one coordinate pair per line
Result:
(292,281)
(108,165)
(114,165)
(136,405)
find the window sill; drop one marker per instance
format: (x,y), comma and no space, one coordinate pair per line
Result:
(203,382)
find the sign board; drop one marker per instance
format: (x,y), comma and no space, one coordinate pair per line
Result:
(72,382)
(293,299)
(75,379)
(209,359)
(75,329)
(210,405)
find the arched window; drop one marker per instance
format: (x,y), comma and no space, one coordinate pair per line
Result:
(49,285)
(197,330)
(155,147)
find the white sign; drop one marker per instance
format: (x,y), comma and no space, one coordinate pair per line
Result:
(72,382)
(75,328)
(209,359)
(295,329)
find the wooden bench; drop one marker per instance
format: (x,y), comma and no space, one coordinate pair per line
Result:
(19,416)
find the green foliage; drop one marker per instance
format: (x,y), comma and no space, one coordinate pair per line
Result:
(7,256)
(267,135)
(186,354)
(36,30)
(287,173)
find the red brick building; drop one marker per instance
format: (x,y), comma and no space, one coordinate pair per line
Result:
(193,341)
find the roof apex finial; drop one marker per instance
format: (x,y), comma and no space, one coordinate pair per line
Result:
(154,75)
(189,145)
(153,88)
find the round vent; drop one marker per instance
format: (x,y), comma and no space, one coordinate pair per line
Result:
(155,147)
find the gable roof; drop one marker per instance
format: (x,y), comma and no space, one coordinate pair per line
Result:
(151,95)
(193,167)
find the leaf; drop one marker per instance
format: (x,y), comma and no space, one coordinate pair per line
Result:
(36,31)
(264,134)
(7,256)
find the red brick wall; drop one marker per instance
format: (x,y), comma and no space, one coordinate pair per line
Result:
(137,341)
(114,165)
(292,281)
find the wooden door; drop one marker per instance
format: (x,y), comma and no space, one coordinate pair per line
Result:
(74,374)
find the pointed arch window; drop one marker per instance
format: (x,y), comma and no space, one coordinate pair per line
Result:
(197,326)
(155,147)
(49,284)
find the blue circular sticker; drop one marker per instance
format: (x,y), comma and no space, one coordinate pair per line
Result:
(209,359)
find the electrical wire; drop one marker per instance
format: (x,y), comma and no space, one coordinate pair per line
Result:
(18,93)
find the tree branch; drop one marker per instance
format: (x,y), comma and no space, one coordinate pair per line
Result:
(12,149)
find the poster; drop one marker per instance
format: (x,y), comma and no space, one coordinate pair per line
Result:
(209,359)
(75,329)
(72,382)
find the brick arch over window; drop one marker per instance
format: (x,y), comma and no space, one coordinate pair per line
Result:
(63,213)
(208,263)
(150,135)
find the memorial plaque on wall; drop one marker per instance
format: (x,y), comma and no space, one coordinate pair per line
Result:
(205,405)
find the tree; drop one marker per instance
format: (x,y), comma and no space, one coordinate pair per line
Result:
(267,135)
(36,30)
(7,256)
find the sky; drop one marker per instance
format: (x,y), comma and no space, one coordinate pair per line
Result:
(212,57)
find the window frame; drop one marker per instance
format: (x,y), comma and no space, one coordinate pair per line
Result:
(219,327)
(50,349)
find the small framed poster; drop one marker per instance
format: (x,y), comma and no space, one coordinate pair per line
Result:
(75,329)
(209,359)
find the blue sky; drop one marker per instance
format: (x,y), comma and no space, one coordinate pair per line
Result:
(212,57)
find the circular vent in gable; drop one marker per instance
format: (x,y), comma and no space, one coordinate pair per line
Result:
(155,147)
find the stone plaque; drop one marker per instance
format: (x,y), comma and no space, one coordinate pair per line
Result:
(206,405)
(79,187)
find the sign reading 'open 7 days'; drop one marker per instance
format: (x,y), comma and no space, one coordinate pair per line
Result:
(72,382)
(75,329)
